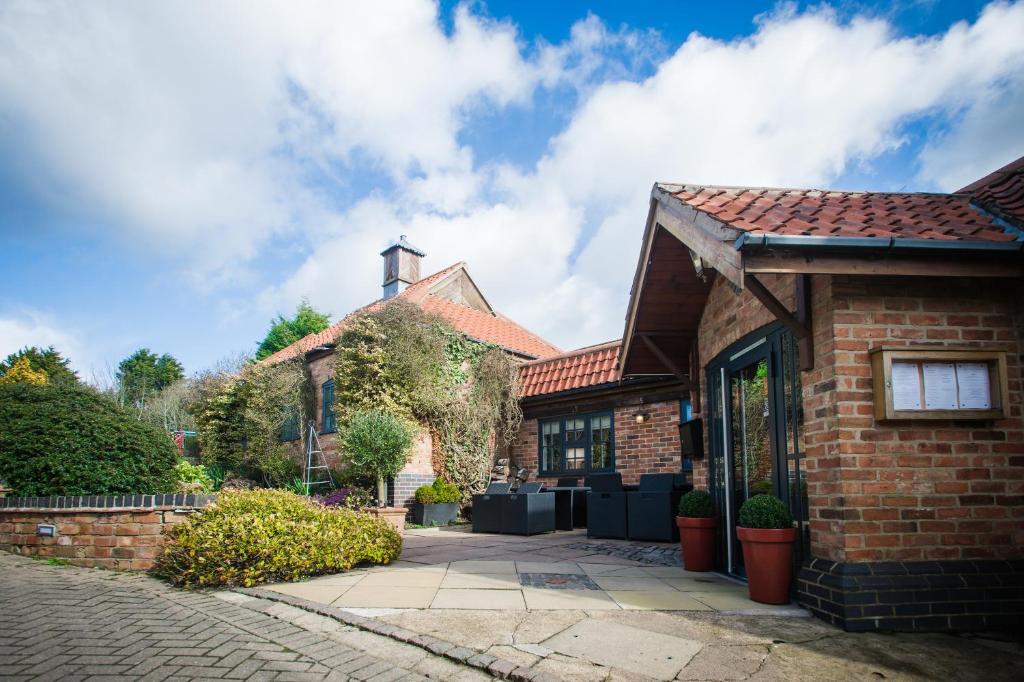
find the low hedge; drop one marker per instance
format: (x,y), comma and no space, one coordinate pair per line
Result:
(249,537)
(438,492)
(71,440)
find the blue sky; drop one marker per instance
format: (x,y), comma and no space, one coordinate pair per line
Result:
(174,177)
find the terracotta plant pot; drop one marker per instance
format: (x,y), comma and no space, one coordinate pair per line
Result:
(697,542)
(393,515)
(768,556)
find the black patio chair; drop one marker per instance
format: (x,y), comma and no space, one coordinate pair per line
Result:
(651,509)
(487,508)
(568,482)
(606,506)
(528,511)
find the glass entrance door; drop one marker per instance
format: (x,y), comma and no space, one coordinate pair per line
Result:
(754,410)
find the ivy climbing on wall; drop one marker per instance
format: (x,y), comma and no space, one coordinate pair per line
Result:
(416,366)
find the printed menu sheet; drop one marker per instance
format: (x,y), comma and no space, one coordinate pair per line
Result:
(973,380)
(940,386)
(906,386)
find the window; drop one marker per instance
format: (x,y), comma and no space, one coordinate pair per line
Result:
(579,444)
(290,427)
(328,422)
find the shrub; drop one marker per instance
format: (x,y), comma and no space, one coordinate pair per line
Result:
(696,504)
(70,440)
(438,492)
(765,511)
(375,443)
(193,478)
(257,536)
(350,497)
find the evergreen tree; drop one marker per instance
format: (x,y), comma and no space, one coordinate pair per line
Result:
(284,332)
(143,374)
(47,360)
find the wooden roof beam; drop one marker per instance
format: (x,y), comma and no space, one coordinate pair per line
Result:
(663,358)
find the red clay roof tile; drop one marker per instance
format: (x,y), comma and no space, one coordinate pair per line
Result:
(580,368)
(859,214)
(1002,191)
(474,323)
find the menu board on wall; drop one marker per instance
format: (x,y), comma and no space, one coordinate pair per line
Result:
(906,386)
(939,386)
(974,387)
(936,383)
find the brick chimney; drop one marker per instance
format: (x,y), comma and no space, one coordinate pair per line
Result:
(401,266)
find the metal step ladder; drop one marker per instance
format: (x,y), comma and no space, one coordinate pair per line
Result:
(316,471)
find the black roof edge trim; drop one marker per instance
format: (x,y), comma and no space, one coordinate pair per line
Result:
(765,241)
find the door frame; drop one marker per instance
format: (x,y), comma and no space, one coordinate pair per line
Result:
(763,343)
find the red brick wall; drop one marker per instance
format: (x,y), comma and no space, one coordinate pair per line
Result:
(651,447)
(123,539)
(910,490)
(917,490)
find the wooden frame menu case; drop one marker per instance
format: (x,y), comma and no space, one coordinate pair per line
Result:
(949,383)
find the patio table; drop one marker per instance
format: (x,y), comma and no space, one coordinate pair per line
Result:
(569,501)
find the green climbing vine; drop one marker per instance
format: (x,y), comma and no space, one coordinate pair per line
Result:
(414,365)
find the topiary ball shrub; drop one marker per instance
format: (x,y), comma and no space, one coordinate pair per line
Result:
(765,511)
(696,504)
(249,537)
(71,440)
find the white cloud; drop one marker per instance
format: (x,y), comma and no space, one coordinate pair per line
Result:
(198,123)
(32,328)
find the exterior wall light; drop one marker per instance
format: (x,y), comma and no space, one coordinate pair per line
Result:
(642,417)
(46,530)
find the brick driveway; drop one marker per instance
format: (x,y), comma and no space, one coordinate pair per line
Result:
(70,624)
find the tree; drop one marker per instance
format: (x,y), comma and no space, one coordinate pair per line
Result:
(48,360)
(21,372)
(143,374)
(284,332)
(376,443)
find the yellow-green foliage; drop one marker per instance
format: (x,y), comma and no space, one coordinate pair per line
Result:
(249,537)
(21,372)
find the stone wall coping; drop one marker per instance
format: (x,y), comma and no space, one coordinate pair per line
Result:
(105,503)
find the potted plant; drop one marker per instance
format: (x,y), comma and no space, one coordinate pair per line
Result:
(436,504)
(766,530)
(376,444)
(697,525)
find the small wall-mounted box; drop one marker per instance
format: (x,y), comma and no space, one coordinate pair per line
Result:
(939,383)
(46,530)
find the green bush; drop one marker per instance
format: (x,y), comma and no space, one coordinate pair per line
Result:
(765,511)
(250,537)
(438,492)
(696,504)
(70,440)
(192,478)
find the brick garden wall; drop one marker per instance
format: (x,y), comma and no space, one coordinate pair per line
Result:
(651,447)
(120,533)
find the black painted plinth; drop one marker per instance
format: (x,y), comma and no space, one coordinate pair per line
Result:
(915,595)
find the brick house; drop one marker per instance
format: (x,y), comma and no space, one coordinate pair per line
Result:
(857,354)
(449,293)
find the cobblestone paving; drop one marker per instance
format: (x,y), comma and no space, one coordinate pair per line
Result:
(663,554)
(65,623)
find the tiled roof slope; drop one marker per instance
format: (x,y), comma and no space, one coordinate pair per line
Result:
(823,213)
(474,323)
(580,368)
(1001,192)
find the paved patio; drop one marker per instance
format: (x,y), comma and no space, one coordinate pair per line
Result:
(455,569)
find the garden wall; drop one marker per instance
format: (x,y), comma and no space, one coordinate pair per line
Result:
(120,532)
